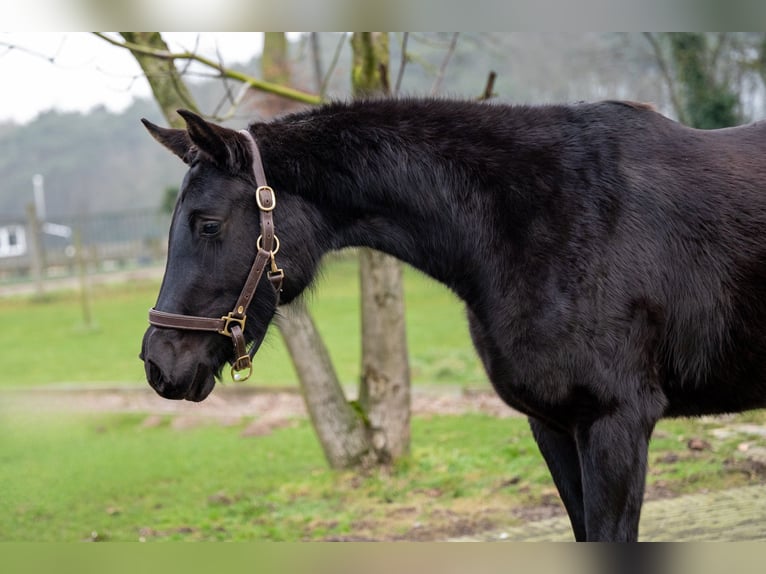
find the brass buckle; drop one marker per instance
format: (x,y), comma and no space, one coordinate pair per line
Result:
(228,320)
(258,198)
(237,374)
(275,271)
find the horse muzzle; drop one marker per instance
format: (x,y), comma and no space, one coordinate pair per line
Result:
(173,371)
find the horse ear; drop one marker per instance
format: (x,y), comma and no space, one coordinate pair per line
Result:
(175,140)
(225,146)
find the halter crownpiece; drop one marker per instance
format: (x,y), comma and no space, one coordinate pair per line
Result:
(233,324)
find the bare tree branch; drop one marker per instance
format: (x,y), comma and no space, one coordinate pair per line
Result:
(721,42)
(185,70)
(228,94)
(14,47)
(402,65)
(490,87)
(333,65)
(234,102)
(223,71)
(440,77)
(316,59)
(665,71)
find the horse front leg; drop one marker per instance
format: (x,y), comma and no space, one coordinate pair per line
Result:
(613,454)
(559,450)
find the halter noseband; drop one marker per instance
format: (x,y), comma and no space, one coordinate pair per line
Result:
(233,324)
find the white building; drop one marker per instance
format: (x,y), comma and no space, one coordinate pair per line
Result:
(13,240)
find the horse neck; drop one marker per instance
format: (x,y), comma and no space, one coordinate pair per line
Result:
(418,184)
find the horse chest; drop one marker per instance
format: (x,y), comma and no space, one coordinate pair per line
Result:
(532,376)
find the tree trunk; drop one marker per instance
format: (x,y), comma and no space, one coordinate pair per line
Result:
(274,60)
(384,389)
(168,87)
(341,429)
(369,72)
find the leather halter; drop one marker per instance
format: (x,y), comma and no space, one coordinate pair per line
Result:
(233,324)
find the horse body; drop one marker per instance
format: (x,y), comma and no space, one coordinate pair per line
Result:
(609,259)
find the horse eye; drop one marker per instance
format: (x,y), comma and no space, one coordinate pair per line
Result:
(210,228)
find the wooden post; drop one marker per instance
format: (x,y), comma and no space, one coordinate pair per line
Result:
(35,250)
(82,273)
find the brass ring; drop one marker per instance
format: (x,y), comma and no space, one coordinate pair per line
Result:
(237,377)
(258,244)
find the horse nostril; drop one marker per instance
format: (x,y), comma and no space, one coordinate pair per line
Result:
(163,385)
(154,374)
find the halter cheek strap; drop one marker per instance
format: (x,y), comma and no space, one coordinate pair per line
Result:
(233,324)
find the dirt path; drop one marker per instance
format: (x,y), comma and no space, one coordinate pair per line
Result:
(735,515)
(269,408)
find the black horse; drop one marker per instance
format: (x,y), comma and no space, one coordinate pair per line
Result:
(612,261)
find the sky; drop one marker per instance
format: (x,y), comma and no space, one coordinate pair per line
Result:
(77,71)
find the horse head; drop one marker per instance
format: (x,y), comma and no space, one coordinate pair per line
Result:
(212,252)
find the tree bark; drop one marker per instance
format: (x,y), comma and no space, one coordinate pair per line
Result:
(369,72)
(274,60)
(384,389)
(341,429)
(168,87)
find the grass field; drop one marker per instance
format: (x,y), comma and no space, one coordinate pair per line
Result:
(46,343)
(115,478)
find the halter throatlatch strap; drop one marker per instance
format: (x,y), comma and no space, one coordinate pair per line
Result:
(233,324)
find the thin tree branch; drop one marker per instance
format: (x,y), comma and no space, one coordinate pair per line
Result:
(440,77)
(402,65)
(721,40)
(228,96)
(11,47)
(490,87)
(255,83)
(333,65)
(665,71)
(244,89)
(185,70)
(316,59)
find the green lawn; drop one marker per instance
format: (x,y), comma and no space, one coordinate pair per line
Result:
(112,477)
(67,478)
(45,342)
